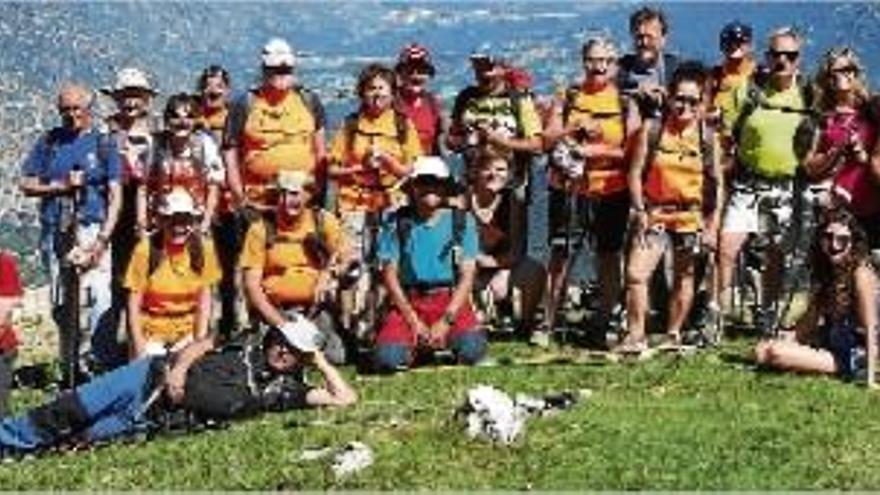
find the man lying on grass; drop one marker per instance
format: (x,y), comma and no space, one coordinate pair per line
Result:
(231,382)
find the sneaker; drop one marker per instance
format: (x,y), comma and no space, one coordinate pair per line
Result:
(540,338)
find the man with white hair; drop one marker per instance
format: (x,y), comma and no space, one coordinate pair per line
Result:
(75,171)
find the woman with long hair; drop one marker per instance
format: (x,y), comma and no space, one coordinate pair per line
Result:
(169,280)
(840,322)
(847,139)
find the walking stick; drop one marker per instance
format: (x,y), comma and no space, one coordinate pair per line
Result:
(71,282)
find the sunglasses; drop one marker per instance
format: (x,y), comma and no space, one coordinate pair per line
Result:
(791,56)
(687,100)
(734,44)
(849,70)
(842,240)
(278,71)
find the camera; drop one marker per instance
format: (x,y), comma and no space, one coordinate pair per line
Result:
(569,159)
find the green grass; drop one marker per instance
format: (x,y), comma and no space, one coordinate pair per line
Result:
(700,422)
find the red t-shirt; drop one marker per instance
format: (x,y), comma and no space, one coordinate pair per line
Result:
(424,112)
(10,286)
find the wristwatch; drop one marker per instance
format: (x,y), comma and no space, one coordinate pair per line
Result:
(448,318)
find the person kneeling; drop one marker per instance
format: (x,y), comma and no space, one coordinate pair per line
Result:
(291,261)
(169,279)
(232,382)
(830,337)
(428,254)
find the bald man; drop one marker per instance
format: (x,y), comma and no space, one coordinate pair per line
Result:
(75,170)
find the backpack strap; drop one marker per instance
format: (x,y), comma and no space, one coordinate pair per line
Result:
(349,129)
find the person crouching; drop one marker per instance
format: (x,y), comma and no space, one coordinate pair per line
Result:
(292,259)
(428,252)
(169,279)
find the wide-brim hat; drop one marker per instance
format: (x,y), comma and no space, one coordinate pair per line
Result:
(302,334)
(294,181)
(178,202)
(130,78)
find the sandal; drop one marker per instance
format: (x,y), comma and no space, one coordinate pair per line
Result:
(631,345)
(669,342)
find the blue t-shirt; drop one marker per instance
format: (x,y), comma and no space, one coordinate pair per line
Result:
(60,151)
(427,259)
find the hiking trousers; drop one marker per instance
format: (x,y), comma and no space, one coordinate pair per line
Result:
(109,406)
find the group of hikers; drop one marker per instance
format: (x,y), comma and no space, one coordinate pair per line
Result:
(376,247)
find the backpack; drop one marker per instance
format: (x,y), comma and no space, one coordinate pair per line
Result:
(350,128)
(471,93)
(807,129)
(315,244)
(707,140)
(404,220)
(310,100)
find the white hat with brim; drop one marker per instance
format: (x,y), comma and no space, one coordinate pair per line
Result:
(277,53)
(293,180)
(302,334)
(127,79)
(430,167)
(178,202)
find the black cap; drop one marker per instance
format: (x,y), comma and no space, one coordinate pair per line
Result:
(733,34)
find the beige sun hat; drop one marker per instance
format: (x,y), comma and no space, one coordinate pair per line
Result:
(130,78)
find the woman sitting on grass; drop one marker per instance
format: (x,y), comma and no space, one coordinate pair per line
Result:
(830,336)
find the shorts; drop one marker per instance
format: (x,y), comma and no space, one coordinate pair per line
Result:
(846,345)
(430,308)
(606,218)
(679,241)
(758,207)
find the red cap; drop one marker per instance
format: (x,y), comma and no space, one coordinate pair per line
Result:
(415,54)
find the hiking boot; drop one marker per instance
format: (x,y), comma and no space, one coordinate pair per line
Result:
(762,321)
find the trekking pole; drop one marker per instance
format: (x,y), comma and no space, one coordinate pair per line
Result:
(571,255)
(71,281)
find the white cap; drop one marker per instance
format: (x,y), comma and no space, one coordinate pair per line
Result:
(178,201)
(302,334)
(277,53)
(293,180)
(430,166)
(130,78)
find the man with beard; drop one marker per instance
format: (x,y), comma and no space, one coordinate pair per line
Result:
(75,171)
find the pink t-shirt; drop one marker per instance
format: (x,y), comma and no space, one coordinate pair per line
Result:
(853,181)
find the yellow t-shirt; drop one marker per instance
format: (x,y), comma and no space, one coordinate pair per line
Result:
(674,181)
(291,265)
(171,293)
(371,191)
(731,93)
(276,137)
(603,111)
